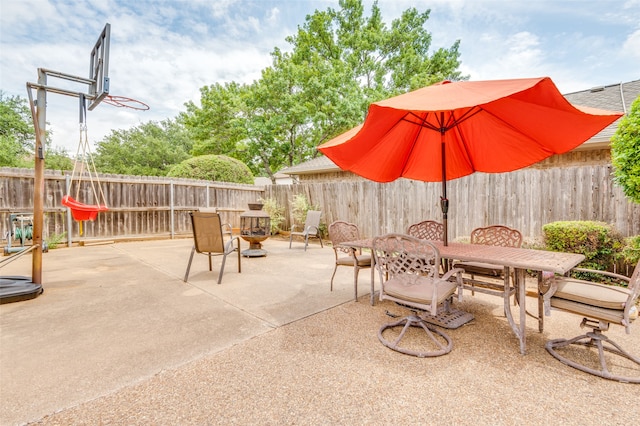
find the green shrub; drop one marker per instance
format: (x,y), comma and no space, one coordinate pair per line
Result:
(276,213)
(631,252)
(219,168)
(54,240)
(599,242)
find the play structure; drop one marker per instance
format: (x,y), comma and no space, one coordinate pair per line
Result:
(85,205)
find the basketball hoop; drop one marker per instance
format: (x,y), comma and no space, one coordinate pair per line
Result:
(122,101)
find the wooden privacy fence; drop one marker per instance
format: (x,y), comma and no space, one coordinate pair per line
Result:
(525,199)
(138,206)
(147,207)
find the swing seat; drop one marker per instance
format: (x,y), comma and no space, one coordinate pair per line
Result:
(81,211)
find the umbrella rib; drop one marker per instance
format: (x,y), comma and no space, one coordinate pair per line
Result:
(467,115)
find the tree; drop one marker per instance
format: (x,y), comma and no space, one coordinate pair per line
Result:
(214,126)
(218,168)
(149,149)
(625,153)
(17,136)
(340,62)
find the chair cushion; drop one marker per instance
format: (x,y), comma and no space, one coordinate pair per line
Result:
(614,316)
(418,289)
(363,260)
(479,268)
(589,293)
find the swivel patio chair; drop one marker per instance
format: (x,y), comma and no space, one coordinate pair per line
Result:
(495,235)
(210,239)
(600,305)
(311,229)
(409,276)
(339,232)
(427,230)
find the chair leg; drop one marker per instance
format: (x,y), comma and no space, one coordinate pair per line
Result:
(306,241)
(320,238)
(290,239)
(239,257)
(335,268)
(435,335)
(356,271)
(602,343)
(224,259)
(186,275)
(210,262)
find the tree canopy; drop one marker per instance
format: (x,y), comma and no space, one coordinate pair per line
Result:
(340,61)
(17,137)
(149,149)
(625,153)
(16,131)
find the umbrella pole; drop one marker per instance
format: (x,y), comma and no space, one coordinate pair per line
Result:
(444,202)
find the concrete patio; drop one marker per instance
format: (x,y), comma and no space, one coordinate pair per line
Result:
(119,338)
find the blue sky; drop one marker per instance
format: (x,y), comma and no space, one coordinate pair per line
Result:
(164,51)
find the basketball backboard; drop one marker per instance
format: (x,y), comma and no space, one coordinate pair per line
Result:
(99,68)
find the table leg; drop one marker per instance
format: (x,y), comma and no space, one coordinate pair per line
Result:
(373,288)
(540,304)
(522,291)
(518,329)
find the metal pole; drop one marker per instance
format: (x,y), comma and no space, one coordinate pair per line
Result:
(67,189)
(444,201)
(38,183)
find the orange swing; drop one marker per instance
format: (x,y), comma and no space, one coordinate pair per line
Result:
(84,158)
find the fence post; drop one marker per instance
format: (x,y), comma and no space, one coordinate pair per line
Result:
(171,209)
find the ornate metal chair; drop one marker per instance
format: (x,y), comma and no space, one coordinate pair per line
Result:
(427,230)
(340,231)
(601,305)
(495,235)
(311,228)
(209,239)
(409,275)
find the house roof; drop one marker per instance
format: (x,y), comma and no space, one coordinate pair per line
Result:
(613,97)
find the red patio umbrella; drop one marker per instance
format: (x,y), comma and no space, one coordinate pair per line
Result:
(450,130)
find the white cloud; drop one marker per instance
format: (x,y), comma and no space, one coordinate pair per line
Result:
(163,52)
(631,45)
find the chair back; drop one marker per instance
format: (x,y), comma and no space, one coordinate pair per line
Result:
(207,232)
(313,220)
(401,254)
(497,235)
(427,230)
(341,231)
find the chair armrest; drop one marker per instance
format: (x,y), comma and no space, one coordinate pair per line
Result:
(228,246)
(605,273)
(227,229)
